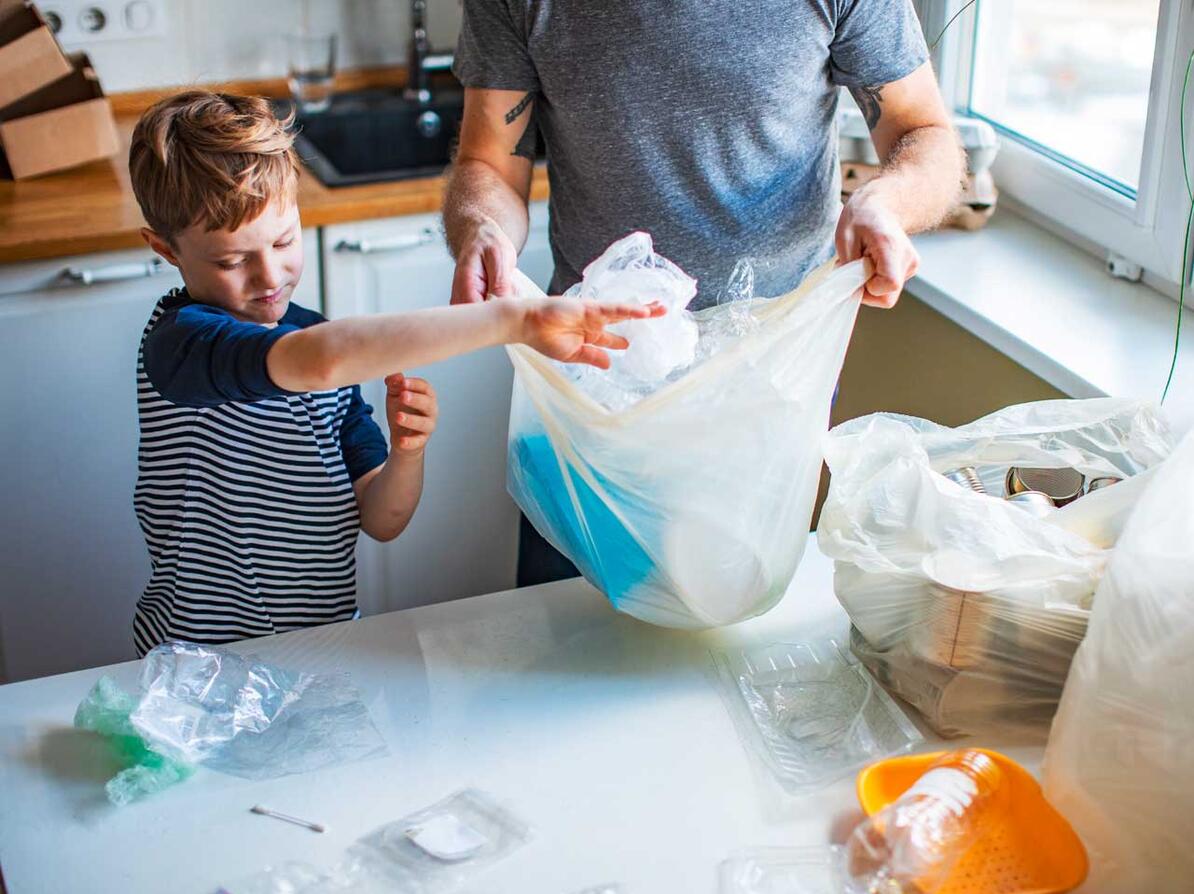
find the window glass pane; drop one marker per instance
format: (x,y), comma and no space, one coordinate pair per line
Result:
(1070,75)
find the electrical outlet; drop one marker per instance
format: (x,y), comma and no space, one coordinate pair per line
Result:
(83,22)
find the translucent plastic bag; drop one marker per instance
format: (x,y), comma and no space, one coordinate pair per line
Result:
(967,606)
(690,508)
(1120,759)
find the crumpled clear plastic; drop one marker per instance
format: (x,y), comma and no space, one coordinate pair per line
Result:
(232,713)
(691,507)
(1119,764)
(809,713)
(965,605)
(629,271)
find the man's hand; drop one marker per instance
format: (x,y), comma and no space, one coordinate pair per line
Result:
(573,331)
(485,264)
(869,229)
(411,410)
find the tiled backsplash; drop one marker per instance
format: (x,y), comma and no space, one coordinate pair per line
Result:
(214,40)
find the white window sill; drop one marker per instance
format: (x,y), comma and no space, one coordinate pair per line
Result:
(1053,309)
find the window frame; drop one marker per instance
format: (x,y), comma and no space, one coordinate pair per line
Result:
(1146,230)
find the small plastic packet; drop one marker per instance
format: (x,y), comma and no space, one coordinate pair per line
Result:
(782,870)
(440,847)
(810,713)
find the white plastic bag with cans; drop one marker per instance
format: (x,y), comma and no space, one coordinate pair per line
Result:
(691,507)
(966,605)
(1120,760)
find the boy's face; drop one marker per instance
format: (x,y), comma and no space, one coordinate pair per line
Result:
(251,272)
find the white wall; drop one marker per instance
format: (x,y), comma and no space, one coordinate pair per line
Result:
(213,40)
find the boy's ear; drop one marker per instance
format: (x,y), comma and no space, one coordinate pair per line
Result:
(159,245)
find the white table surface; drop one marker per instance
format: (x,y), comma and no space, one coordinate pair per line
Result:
(605,734)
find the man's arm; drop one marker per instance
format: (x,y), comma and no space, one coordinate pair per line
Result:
(485,201)
(921,179)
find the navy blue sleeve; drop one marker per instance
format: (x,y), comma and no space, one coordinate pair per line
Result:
(201,356)
(361,441)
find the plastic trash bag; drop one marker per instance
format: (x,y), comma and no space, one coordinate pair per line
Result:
(692,507)
(200,705)
(965,605)
(1120,760)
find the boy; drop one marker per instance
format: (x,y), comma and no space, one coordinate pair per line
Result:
(259,460)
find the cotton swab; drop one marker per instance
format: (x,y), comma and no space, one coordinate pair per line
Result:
(265,811)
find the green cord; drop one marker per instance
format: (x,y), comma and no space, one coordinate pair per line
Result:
(1184,273)
(953,19)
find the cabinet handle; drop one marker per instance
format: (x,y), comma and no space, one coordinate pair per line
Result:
(86,276)
(425,236)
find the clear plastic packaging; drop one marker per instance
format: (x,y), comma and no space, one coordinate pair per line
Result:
(787,870)
(963,604)
(200,705)
(912,844)
(432,851)
(691,508)
(440,847)
(810,713)
(1120,758)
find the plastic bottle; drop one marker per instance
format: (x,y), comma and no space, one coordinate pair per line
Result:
(912,845)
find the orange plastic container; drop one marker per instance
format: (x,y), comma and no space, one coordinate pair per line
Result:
(1030,849)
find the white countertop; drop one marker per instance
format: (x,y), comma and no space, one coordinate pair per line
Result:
(1055,310)
(603,733)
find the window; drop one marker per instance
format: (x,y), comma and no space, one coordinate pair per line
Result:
(1070,77)
(1086,97)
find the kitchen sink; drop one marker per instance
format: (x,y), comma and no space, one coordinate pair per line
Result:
(373,136)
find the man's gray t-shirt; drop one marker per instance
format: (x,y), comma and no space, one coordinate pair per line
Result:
(710,125)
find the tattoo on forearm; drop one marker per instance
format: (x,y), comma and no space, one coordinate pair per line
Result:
(869,99)
(523,104)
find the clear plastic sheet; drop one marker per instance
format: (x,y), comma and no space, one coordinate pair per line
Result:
(691,508)
(231,713)
(1120,760)
(810,713)
(963,604)
(786,870)
(241,716)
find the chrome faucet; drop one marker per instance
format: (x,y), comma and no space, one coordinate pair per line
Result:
(421,59)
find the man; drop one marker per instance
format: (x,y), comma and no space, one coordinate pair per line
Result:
(710,125)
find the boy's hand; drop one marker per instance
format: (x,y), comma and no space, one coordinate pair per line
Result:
(573,331)
(411,410)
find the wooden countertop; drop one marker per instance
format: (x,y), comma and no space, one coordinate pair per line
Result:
(92,208)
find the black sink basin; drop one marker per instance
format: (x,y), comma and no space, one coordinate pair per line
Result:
(376,135)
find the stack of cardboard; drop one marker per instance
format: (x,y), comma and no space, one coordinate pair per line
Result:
(53,113)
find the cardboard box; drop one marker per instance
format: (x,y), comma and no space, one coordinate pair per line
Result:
(66,123)
(30,56)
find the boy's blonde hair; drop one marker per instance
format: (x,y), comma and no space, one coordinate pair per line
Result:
(210,158)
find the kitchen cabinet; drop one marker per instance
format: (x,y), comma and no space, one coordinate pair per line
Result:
(463,539)
(73,558)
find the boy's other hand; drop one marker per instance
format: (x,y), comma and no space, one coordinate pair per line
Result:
(485,265)
(411,409)
(573,331)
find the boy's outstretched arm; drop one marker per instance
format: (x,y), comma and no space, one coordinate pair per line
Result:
(346,352)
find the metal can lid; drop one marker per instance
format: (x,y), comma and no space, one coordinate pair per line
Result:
(1060,485)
